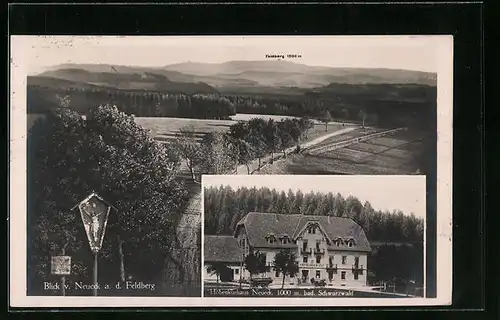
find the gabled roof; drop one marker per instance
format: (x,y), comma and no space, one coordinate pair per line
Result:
(258,225)
(221,249)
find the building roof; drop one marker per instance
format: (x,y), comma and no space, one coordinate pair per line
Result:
(258,225)
(221,249)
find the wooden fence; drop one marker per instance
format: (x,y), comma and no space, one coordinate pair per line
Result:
(342,144)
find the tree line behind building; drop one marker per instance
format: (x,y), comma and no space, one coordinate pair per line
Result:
(225,206)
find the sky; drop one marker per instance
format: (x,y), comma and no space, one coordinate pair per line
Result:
(405,193)
(394,52)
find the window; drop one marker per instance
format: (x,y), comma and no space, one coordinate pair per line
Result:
(314,230)
(292,276)
(342,275)
(337,242)
(356,276)
(277,274)
(330,275)
(330,260)
(350,243)
(318,274)
(304,246)
(318,259)
(344,259)
(309,230)
(236,271)
(317,246)
(356,261)
(304,259)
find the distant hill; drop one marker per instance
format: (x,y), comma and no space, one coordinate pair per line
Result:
(140,80)
(279,73)
(240,75)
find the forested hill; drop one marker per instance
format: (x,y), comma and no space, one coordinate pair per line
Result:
(225,206)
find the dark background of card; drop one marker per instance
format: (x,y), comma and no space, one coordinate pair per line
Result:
(464,21)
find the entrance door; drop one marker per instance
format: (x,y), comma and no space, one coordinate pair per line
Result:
(305,276)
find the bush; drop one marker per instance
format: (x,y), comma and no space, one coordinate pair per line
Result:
(261,282)
(320,283)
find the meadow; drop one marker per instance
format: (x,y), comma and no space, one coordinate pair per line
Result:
(396,153)
(164,129)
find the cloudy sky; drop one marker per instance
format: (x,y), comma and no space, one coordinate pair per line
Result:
(393,52)
(405,193)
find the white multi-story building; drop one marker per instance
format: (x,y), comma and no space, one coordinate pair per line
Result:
(327,248)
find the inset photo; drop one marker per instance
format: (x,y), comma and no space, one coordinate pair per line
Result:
(314,236)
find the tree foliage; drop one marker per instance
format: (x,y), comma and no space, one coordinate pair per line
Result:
(222,215)
(219,269)
(69,157)
(285,263)
(255,263)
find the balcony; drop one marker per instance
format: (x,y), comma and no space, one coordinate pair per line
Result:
(357,268)
(311,265)
(305,251)
(319,251)
(331,267)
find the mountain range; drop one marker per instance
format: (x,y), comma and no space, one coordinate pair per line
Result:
(193,77)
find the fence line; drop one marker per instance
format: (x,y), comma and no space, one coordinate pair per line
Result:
(345,143)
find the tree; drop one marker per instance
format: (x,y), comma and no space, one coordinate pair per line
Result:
(305,125)
(285,263)
(258,146)
(188,147)
(362,116)
(326,118)
(68,157)
(271,138)
(285,135)
(255,263)
(245,153)
(219,269)
(219,154)
(239,134)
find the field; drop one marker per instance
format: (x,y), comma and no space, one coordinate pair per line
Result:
(396,153)
(248,116)
(165,128)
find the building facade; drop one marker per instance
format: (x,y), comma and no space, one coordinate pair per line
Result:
(221,250)
(332,249)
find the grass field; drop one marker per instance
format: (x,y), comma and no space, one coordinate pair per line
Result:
(396,153)
(165,128)
(248,116)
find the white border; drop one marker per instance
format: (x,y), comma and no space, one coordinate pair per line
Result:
(20,46)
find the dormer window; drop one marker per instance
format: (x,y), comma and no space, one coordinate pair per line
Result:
(271,238)
(285,239)
(350,242)
(312,228)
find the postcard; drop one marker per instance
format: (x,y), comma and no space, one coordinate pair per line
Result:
(119,146)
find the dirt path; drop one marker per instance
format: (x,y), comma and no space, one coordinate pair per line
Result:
(254,165)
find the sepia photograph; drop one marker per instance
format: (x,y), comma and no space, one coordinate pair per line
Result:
(112,138)
(314,236)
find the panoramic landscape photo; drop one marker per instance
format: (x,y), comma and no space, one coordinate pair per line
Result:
(137,122)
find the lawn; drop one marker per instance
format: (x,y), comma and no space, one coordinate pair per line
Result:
(397,153)
(166,128)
